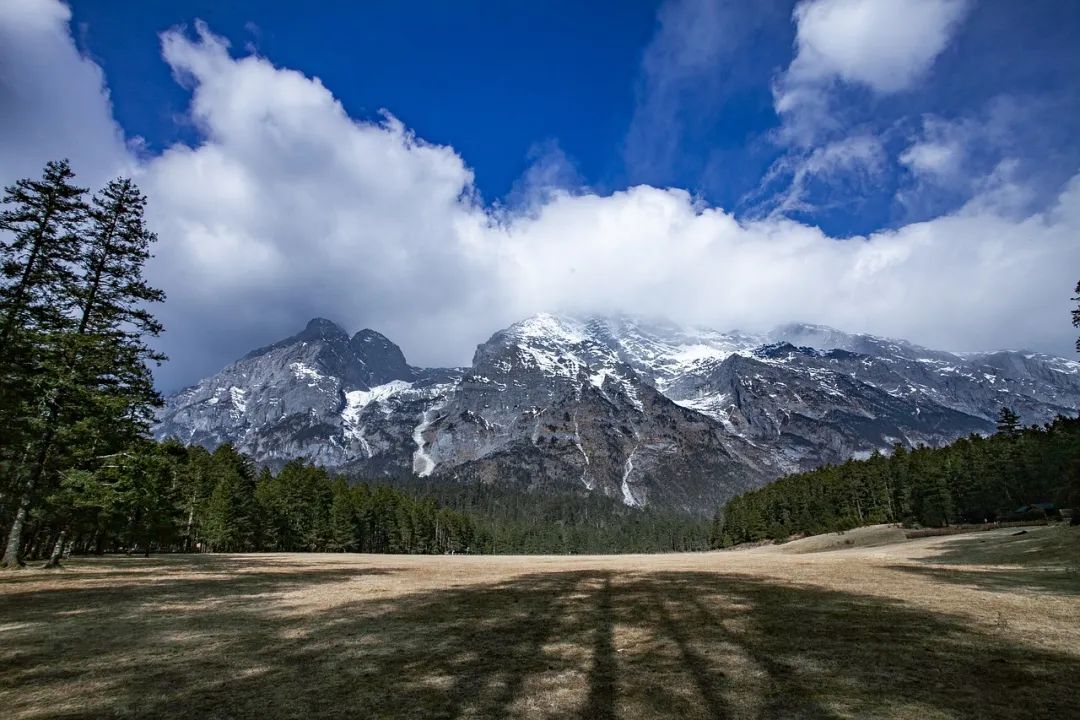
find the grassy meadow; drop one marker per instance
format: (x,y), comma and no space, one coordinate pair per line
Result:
(859,625)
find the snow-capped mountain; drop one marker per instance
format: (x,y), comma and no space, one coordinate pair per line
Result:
(645,412)
(319,395)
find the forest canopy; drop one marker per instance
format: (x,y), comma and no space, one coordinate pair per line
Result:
(974,480)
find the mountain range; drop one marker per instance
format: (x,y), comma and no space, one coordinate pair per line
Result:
(647,412)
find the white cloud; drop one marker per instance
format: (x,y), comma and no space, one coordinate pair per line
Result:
(828,175)
(976,156)
(954,282)
(883,45)
(50,94)
(939,159)
(288,208)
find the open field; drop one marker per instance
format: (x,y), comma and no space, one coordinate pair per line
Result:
(984,625)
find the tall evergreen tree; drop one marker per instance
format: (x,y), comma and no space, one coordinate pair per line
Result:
(231,522)
(1008,422)
(42,219)
(96,389)
(112,300)
(343,525)
(1076,314)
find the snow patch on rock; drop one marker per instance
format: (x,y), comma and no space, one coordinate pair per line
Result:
(239,399)
(357,400)
(628,493)
(423,463)
(306,372)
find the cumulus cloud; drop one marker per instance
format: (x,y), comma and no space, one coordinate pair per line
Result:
(50,94)
(882,45)
(961,281)
(288,208)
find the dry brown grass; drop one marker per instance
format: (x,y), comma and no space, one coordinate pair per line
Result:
(931,628)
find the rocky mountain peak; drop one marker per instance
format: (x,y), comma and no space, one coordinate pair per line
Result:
(317,330)
(381,359)
(549,327)
(822,337)
(321,327)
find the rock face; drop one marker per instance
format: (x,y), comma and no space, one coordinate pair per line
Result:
(548,402)
(645,412)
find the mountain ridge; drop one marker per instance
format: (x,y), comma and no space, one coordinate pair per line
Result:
(645,411)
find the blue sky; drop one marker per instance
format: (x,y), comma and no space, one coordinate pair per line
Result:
(492,81)
(437,170)
(505,82)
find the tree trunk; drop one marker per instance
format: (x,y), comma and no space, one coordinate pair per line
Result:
(14,541)
(189,541)
(11,557)
(57,551)
(95,283)
(32,546)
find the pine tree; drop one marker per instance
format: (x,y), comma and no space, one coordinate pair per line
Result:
(42,218)
(342,519)
(231,518)
(1076,314)
(1008,422)
(220,524)
(933,500)
(114,320)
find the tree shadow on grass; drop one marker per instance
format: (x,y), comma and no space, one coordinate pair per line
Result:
(1052,547)
(1050,581)
(591,644)
(1044,560)
(132,568)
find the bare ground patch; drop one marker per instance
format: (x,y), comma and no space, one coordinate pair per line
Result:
(913,630)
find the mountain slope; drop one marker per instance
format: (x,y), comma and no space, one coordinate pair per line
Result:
(644,412)
(545,403)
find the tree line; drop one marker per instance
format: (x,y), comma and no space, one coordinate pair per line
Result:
(165,497)
(974,480)
(517,520)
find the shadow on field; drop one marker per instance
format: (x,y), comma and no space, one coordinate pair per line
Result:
(1050,581)
(588,644)
(1046,560)
(1052,547)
